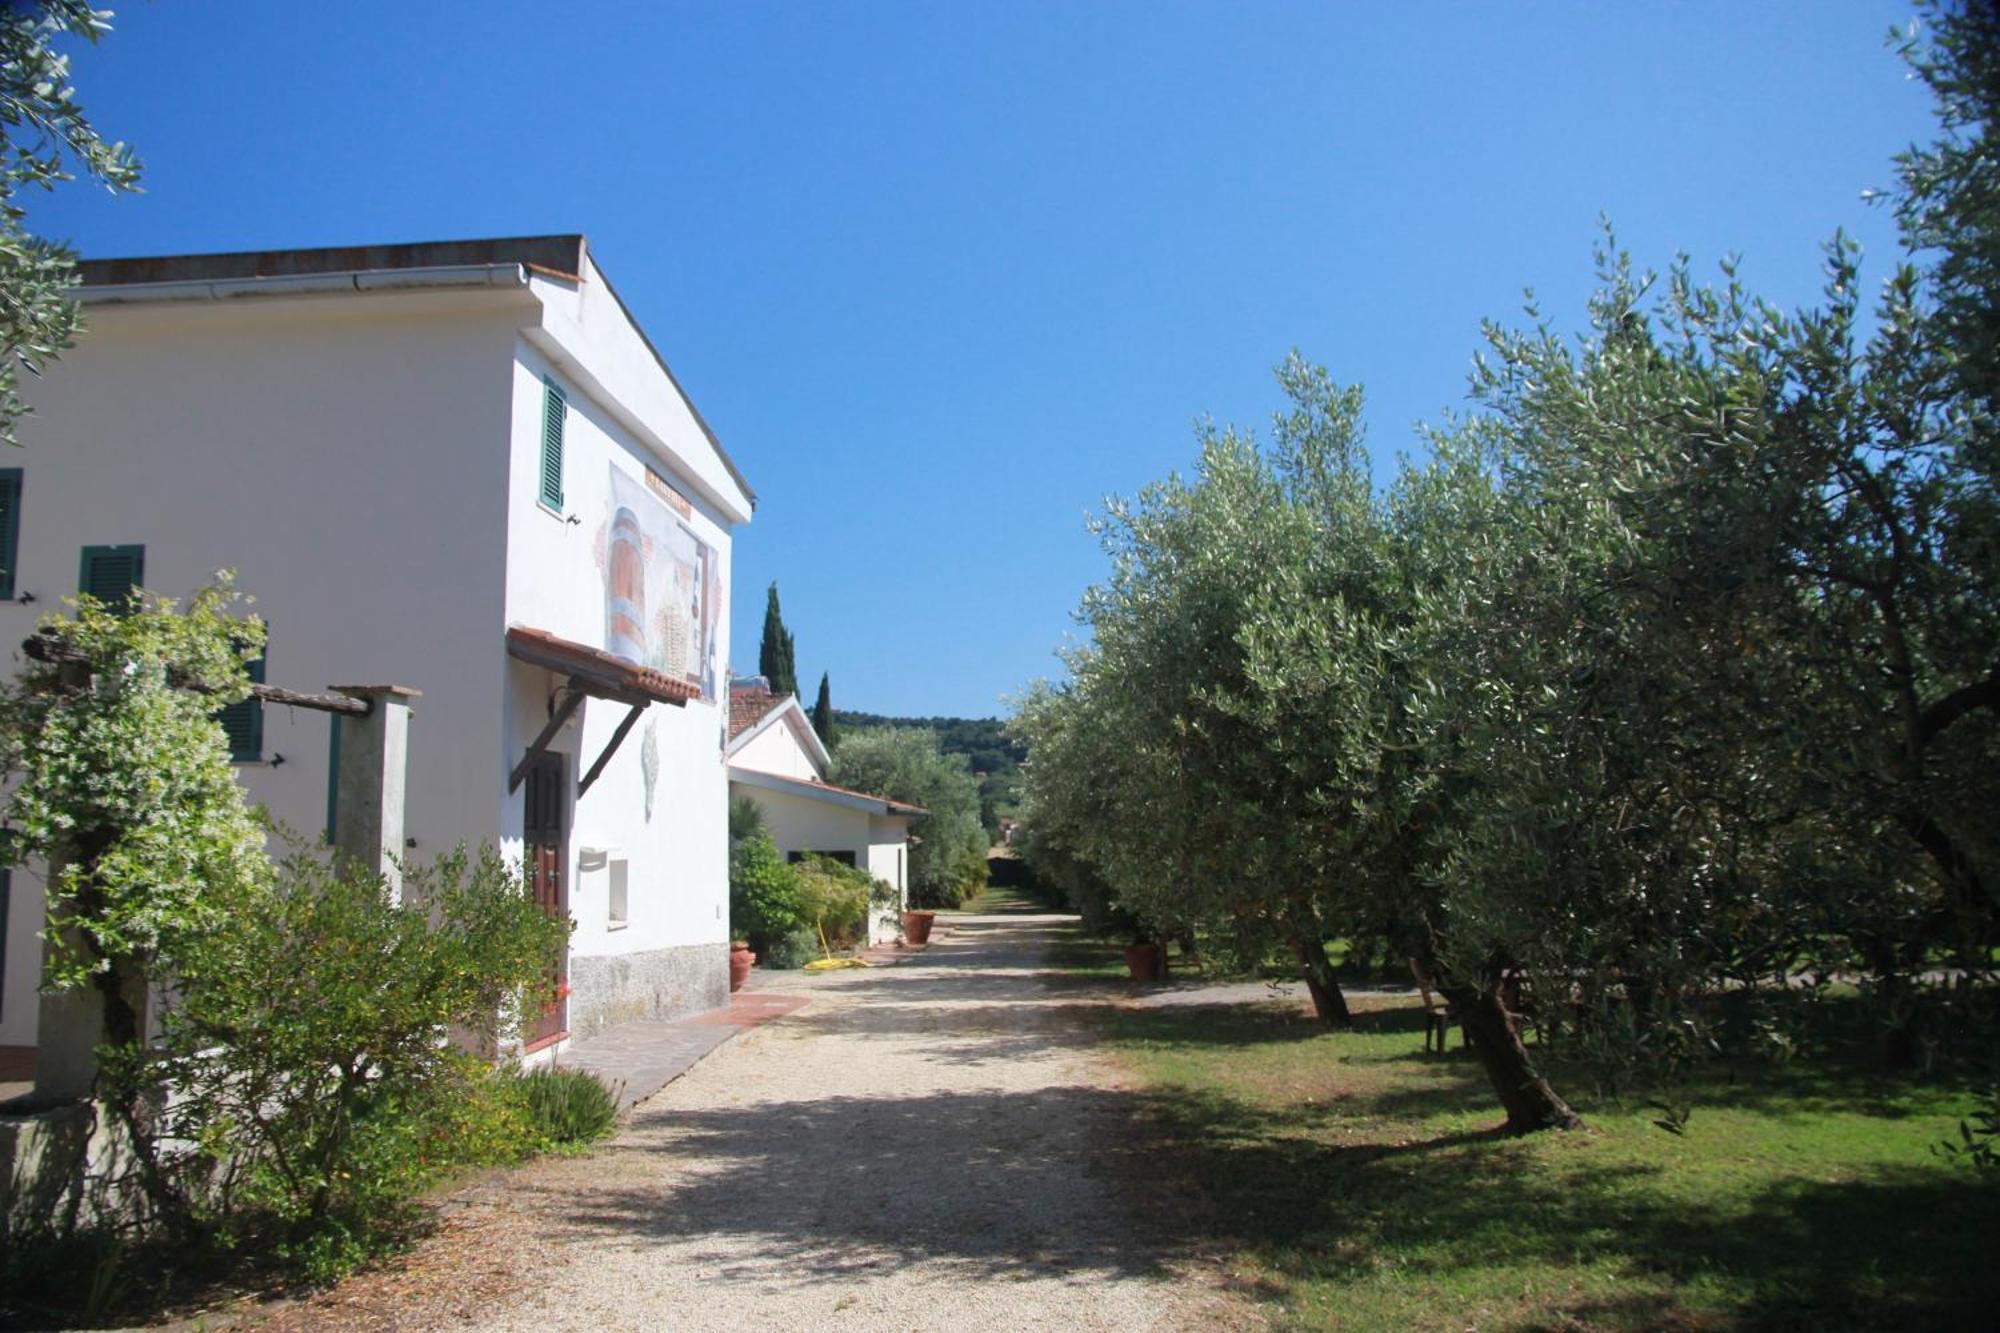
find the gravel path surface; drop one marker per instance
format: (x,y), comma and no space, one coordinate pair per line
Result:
(934,1145)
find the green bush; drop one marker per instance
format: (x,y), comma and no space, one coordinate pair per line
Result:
(315,1088)
(968,875)
(307,1080)
(746,819)
(567,1108)
(791,951)
(764,894)
(834,897)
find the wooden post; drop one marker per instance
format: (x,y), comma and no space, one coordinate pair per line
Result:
(374,754)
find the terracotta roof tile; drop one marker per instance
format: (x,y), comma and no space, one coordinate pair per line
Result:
(597,670)
(747,707)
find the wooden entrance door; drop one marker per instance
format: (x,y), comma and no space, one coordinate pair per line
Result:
(545,854)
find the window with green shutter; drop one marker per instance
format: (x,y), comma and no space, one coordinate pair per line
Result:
(244,722)
(112,573)
(10,527)
(555,415)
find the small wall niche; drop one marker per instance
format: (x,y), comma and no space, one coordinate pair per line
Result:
(616,913)
(607,867)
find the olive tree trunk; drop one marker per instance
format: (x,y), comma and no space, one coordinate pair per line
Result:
(1328,1003)
(1531,1104)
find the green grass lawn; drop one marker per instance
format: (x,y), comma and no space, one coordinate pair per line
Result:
(1357,1185)
(1004,898)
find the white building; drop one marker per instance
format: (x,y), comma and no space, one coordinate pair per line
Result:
(459,467)
(777,760)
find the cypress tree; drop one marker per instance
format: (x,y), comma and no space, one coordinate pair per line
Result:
(822,713)
(775,660)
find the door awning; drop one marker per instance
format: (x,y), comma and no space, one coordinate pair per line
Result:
(593,673)
(597,672)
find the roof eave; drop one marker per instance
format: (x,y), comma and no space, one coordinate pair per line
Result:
(841,796)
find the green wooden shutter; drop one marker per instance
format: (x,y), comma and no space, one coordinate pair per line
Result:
(244,722)
(10,528)
(555,412)
(112,573)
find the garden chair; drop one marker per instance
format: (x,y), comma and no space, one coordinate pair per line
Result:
(1438,1012)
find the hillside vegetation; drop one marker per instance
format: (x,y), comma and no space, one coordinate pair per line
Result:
(994,758)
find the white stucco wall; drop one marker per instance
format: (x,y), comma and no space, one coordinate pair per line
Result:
(368,464)
(888,860)
(589,335)
(776,750)
(340,454)
(678,857)
(802,824)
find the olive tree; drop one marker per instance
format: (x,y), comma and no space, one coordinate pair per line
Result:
(948,845)
(1155,764)
(45,139)
(1673,667)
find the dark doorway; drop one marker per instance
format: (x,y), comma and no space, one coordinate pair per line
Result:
(545,858)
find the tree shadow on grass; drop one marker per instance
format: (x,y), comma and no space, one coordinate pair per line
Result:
(1890,1248)
(1416,1084)
(1091,1183)
(1303,1189)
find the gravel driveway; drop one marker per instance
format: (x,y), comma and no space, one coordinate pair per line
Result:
(934,1145)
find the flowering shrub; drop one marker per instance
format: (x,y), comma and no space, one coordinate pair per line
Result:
(309,1075)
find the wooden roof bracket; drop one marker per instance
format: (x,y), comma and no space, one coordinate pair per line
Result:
(572,699)
(617,739)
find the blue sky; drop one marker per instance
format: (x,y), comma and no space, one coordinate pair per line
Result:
(942,276)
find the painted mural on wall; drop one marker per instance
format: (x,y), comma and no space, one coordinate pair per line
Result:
(662,584)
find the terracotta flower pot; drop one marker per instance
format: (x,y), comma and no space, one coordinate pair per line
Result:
(917,926)
(1146,962)
(740,961)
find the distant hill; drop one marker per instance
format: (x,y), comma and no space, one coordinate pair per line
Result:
(980,739)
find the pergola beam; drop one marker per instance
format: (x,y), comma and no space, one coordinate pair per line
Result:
(47,648)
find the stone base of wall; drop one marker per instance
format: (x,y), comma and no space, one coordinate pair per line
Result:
(66,1162)
(661,984)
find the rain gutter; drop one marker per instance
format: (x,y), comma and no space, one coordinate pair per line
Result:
(505,276)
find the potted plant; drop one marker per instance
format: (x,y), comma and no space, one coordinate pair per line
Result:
(740,962)
(1145,956)
(916,924)
(1146,960)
